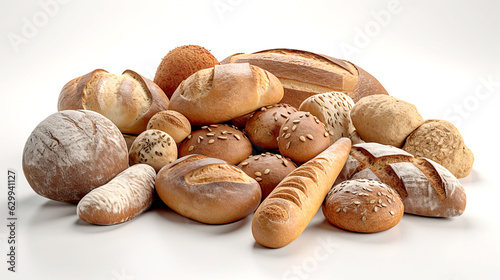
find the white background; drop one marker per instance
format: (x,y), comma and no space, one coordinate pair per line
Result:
(443,56)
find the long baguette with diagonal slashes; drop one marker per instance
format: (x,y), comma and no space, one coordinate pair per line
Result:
(287,211)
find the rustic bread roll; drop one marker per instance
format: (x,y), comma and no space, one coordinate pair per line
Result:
(287,211)
(333,109)
(72,152)
(304,74)
(220,141)
(363,206)
(264,126)
(127,195)
(302,137)
(224,92)
(179,64)
(426,187)
(173,123)
(267,169)
(128,100)
(207,190)
(441,141)
(153,147)
(385,119)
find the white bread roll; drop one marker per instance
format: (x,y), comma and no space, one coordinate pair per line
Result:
(72,152)
(225,92)
(127,195)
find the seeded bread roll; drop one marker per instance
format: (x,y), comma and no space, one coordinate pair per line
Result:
(302,137)
(179,64)
(267,169)
(173,123)
(127,195)
(72,152)
(441,141)
(225,92)
(128,100)
(287,211)
(264,126)
(153,147)
(220,141)
(363,206)
(207,190)
(385,119)
(426,187)
(304,74)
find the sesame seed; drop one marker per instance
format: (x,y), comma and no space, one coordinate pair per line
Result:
(211,141)
(245,163)
(375,209)
(284,116)
(267,171)
(258,174)
(363,218)
(302,138)
(190,148)
(294,127)
(296,121)
(213,125)
(391,212)
(372,201)
(237,137)
(338,210)
(189,136)
(344,210)
(258,179)
(310,137)
(287,146)
(210,134)
(287,136)
(222,137)
(326,134)
(285,128)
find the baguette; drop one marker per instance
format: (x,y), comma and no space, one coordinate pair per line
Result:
(287,211)
(121,199)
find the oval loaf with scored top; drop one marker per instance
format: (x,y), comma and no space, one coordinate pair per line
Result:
(287,211)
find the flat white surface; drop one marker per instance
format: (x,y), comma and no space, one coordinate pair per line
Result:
(440,55)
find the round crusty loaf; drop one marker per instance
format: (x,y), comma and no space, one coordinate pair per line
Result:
(173,123)
(333,109)
(304,74)
(153,147)
(127,195)
(224,92)
(385,119)
(181,63)
(267,169)
(220,141)
(302,137)
(207,190)
(72,152)
(363,206)
(128,100)
(264,126)
(441,141)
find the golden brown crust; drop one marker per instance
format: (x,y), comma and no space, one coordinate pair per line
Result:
(267,169)
(179,64)
(173,123)
(219,141)
(287,211)
(208,190)
(363,206)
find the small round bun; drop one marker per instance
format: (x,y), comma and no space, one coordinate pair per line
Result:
(385,119)
(440,141)
(363,206)
(220,141)
(181,63)
(207,190)
(302,137)
(264,126)
(173,123)
(153,147)
(72,152)
(267,169)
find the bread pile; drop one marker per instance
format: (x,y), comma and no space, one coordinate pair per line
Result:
(280,132)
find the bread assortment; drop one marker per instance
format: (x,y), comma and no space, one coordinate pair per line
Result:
(278,132)
(304,73)
(129,100)
(208,190)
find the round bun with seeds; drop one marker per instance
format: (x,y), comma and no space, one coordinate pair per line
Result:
(267,169)
(302,137)
(363,206)
(264,126)
(220,141)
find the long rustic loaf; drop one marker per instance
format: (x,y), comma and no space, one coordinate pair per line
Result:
(287,211)
(426,187)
